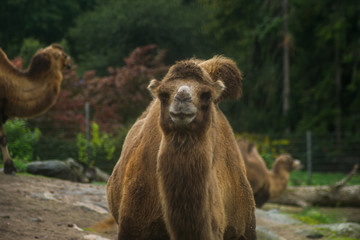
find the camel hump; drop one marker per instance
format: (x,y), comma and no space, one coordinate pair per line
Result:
(39,63)
(224,69)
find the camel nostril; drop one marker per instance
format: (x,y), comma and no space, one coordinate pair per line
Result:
(183,97)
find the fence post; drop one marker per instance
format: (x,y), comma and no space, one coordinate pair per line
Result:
(309,160)
(87,129)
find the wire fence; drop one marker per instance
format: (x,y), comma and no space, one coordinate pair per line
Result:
(323,152)
(317,152)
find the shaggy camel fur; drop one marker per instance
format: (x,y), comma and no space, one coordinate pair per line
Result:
(31,92)
(266,184)
(180,174)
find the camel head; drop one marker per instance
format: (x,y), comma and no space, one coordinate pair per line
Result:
(190,89)
(59,57)
(186,95)
(287,162)
(52,56)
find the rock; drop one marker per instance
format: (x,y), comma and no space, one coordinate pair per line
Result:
(266,234)
(67,170)
(95,174)
(350,230)
(310,233)
(36,220)
(274,216)
(76,168)
(51,168)
(315,235)
(94,237)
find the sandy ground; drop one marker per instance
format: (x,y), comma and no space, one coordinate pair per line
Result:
(33,207)
(43,208)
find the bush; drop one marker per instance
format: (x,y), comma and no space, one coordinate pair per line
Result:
(28,49)
(53,147)
(102,146)
(20,142)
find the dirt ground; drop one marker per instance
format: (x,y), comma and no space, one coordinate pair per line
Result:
(50,209)
(33,207)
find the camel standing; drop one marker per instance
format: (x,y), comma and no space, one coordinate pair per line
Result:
(31,92)
(180,174)
(266,185)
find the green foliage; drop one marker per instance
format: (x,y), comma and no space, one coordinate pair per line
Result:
(269,149)
(103,37)
(102,146)
(54,147)
(314,216)
(28,49)
(46,21)
(20,142)
(299,178)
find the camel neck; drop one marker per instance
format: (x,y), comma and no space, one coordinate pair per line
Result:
(184,169)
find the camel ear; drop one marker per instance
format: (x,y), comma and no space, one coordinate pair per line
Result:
(153,86)
(225,69)
(219,89)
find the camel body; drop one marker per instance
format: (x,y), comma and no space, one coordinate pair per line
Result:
(31,92)
(266,184)
(180,174)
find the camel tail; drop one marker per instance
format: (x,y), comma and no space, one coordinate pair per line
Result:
(104,225)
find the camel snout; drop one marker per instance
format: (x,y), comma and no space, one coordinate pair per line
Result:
(297,165)
(183,94)
(182,112)
(68,63)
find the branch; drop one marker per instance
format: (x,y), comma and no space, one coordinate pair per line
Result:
(343,181)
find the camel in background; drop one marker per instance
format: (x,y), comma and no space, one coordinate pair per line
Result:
(31,92)
(180,174)
(266,185)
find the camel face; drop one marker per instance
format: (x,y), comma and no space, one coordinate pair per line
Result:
(288,163)
(58,56)
(185,102)
(182,110)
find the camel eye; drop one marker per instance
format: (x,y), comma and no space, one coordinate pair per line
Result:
(164,96)
(205,96)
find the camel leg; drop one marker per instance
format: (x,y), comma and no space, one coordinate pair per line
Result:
(9,167)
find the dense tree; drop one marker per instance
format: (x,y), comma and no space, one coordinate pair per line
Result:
(103,37)
(325,66)
(251,33)
(44,20)
(323,42)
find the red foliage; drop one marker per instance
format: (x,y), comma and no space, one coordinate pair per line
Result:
(115,99)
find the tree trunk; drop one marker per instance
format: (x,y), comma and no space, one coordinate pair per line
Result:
(320,196)
(335,195)
(338,128)
(286,80)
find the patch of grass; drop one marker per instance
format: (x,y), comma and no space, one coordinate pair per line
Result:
(300,178)
(99,183)
(313,216)
(333,235)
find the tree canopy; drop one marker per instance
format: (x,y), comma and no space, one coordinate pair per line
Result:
(323,41)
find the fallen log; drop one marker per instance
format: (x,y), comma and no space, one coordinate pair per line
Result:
(335,195)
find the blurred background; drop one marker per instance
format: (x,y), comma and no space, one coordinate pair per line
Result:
(300,60)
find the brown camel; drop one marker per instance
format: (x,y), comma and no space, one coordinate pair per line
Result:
(180,174)
(266,185)
(31,92)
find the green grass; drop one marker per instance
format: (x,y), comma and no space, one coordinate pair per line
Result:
(313,216)
(300,178)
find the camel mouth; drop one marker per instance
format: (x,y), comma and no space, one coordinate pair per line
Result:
(182,118)
(68,63)
(297,165)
